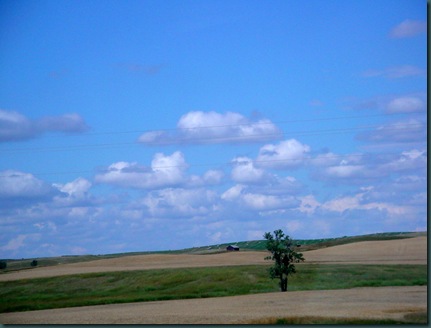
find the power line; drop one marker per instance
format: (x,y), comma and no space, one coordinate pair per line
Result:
(171,140)
(242,124)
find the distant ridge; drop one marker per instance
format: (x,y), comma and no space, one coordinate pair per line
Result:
(306,244)
(252,245)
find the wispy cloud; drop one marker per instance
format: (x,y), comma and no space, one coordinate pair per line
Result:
(405,105)
(316,103)
(139,68)
(199,127)
(411,130)
(369,168)
(396,72)
(15,126)
(408,28)
(391,104)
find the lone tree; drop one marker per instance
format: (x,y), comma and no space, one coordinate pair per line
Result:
(284,255)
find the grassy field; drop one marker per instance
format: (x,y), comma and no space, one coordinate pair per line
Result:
(167,284)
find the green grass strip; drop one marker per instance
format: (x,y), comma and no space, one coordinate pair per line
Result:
(168,284)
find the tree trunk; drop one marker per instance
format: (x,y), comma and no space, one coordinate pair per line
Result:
(283,283)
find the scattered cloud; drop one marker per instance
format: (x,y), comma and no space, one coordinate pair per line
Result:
(173,201)
(164,171)
(357,202)
(244,171)
(139,68)
(199,127)
(78,187)
(15,126)
(414,160)
(286,154)
(179,202)
(396,72)
(258,201)
(408,28)
(391,104)
(405,105)
(371,167)
(316,103)
(344,171)
(14,244)
(19,185)
(308,204)
(412,130)
(67,123)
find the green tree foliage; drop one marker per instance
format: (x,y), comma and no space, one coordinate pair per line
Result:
(3,264)
(33,263)
(284,256)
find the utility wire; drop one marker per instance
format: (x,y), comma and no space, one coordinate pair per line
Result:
(240,124)
(172,140)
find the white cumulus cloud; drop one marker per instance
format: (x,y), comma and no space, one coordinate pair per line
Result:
(179,202)
(78,187)
(198,127)
(165,170)
(286,154)
(244,171)
(261,201)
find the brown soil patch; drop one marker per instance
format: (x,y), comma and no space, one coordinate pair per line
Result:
(381,302)
(401,251)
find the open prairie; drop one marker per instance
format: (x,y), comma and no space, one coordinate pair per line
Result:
(400,251)
(367,302)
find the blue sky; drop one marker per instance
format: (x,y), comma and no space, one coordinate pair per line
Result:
(154,125)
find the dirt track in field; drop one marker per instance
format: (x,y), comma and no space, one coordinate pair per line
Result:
(402,251)
(382,302)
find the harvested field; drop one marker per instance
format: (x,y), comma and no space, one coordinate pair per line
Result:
(372,303)
(366,303)
(401,251)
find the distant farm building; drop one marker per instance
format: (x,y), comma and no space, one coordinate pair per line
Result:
(232,248)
